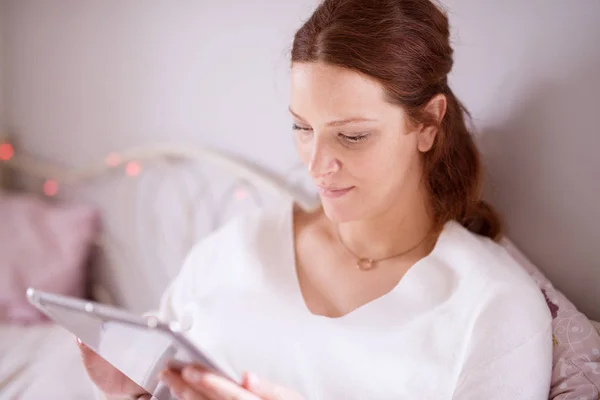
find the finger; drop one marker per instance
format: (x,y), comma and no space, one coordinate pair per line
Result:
(81,345)
(89,356)
(177,386)
(85,351)
(215,384)
(181,389)
(267,390)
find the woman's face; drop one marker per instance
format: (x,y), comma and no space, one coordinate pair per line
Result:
(358,148)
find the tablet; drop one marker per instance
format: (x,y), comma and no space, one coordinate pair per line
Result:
(140,347)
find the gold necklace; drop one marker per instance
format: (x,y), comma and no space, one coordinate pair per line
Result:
(367,264)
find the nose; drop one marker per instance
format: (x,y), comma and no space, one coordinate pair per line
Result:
(323,160)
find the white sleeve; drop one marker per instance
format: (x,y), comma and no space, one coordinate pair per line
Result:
(510,350)
(183,287)
(521,373)
(206,264)
(167,309)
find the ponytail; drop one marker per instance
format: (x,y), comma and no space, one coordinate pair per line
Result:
(453,174)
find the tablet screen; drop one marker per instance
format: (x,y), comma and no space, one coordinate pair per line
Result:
(138,351)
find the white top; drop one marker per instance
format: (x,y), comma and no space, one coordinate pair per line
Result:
(465,322)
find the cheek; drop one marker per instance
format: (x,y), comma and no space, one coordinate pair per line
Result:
(304,151)
(389,166)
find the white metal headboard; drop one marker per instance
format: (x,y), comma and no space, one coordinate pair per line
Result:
(156,202)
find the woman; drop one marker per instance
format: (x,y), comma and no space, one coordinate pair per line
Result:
(394,288)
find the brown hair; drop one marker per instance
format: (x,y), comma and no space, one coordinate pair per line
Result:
(405,45)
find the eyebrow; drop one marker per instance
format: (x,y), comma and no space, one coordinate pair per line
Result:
(340,122)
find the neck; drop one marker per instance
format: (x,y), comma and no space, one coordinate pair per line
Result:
(398,229)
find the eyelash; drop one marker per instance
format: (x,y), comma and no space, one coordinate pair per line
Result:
(299,128)
(355,139)
(351,139)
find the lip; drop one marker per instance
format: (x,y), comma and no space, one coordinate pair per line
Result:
(334,193)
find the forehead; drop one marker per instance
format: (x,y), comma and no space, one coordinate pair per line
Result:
(318,88)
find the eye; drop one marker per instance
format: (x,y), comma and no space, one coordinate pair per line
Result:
(354,139)
(303,134)
(299,128)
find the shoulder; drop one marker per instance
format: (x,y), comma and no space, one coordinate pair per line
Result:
(256,229)
(245,236)
(246,226)
(480,261)
(486,266)
(506,308)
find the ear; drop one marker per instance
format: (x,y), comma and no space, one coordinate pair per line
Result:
(435,109)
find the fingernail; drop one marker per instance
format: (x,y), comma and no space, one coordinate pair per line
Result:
(79,342)
(192,375)
(165,378)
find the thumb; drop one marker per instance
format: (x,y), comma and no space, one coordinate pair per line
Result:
(267,390)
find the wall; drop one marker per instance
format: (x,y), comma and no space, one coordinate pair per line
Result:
(528,70)
(91,77)
(87,78)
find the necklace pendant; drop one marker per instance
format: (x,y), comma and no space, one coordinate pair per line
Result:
(365,264)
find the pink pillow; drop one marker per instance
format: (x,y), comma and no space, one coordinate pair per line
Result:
(43,245)
(576,354)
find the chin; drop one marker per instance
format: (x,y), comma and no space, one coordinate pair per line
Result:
(342,210)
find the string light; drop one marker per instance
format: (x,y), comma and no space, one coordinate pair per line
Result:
(240,193)
(29,165)
(50,187)
(112,159)
(133,168)
(6,152)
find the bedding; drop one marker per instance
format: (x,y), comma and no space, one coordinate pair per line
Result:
(576,340)
(41,362)
(596,325)
(44,245)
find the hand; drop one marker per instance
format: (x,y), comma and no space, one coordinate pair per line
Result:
(196,383)
(108,379)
